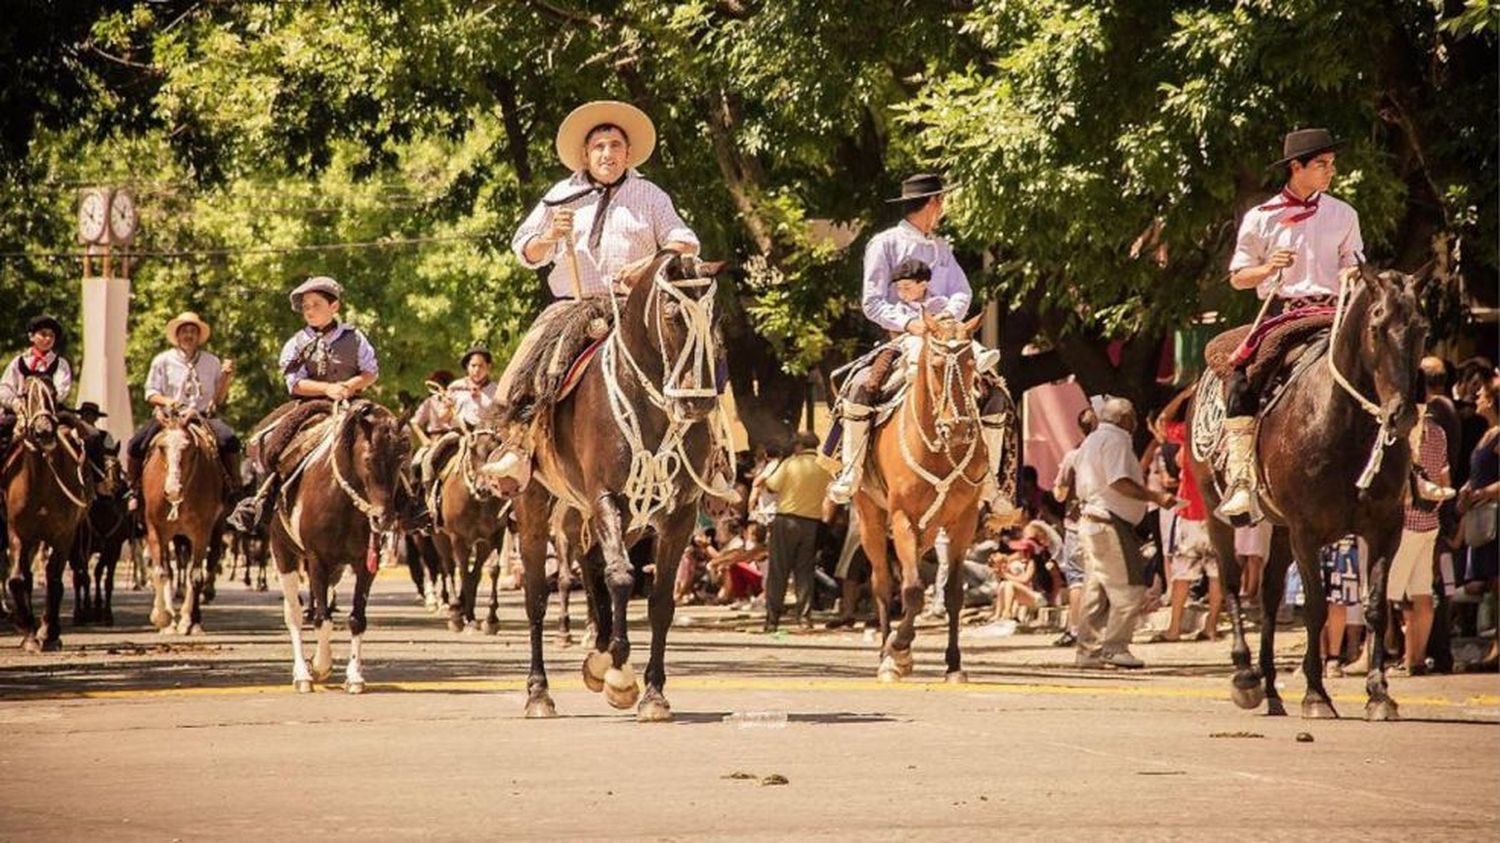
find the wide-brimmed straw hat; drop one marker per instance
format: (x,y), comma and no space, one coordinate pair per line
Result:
(187,317)
(317,284)
(575,128)
(1304,142)
(921,186)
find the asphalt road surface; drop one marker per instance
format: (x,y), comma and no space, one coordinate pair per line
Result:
(130,735)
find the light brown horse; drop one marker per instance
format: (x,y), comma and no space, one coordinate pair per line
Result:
(928,469)
(334,504)
(182,484)
(46,498)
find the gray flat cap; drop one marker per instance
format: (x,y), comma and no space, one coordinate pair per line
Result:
(317,284)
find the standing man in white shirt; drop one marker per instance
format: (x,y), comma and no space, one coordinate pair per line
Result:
(1292,248)
(187,377)
(1114,499)
(623,221)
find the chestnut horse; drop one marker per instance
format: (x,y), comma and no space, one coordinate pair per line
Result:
(46,497)
(333,506)
(182,484)
(1334,461)
(628,450)
(929,463)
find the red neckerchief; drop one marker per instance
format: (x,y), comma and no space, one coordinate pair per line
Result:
(1308,206)
(38,360)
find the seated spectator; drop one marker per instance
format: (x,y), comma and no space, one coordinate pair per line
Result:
(1016,572)
(690,570)
(738,569)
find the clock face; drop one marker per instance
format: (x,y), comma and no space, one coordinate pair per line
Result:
(92,216)
(122,217)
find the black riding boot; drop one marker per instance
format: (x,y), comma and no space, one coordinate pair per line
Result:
(253,512)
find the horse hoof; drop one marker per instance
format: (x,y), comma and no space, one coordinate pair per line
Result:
(1248,698)
(53,645)
(654,709)
(455,625)
(31,645)
(1316,709)
(1382,711)
(491,626)
(1276,708)
(903,661)
(195,629)
(169,630)
(957,677)
(540,708)
(321,674)
(888,672)
(595,665)
(161,619)
(354,686)
(303,686)
(470,628)
(565,640)
(620,688)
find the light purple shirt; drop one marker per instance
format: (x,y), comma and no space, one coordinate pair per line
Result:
(948,291)
(292,351)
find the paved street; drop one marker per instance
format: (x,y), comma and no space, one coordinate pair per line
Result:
(128,735)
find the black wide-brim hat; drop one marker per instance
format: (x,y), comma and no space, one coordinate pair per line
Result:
(1304,142)
(922,185)
(477,348)
(91,408)
(45,320)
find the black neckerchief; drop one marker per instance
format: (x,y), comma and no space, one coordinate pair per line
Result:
(596,231)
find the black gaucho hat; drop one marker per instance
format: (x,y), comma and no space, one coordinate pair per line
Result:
(921,186)
(45,321)
(1304,142)
(477,348)
(911,269)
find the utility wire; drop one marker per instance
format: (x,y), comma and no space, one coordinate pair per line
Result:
(255,250)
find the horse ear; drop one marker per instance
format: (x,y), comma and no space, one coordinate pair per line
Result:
(972,326)
(711,269)
(928,322)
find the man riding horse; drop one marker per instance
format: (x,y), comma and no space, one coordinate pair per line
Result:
(911,271)
(1292,251)
(186,378)
(627,221)
(328,359)
(44,360)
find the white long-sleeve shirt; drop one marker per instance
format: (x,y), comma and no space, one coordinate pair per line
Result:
(1325,241)
(13,381)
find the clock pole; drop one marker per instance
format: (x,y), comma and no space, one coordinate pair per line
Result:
(106,223)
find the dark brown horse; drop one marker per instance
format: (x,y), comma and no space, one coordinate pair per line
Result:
(103,532)
(46,496)
(334,504)
(182,484)
(1317,448)
(473,520)
(628,450)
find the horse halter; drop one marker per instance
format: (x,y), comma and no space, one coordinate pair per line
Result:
(1383,416)
(40,403)
(941,390)
(695,358)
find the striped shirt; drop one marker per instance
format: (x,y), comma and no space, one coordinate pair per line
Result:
(640,221)
(1433,458)
(947,293)
(194,383)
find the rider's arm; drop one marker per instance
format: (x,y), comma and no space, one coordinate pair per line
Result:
(1352,247)
(156,384)
(670,229)
(949,291)
(531,243)
(62,379)
(10,384)
(1249,266)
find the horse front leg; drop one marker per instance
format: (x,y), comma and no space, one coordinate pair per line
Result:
(51,632)
(104,576)
(193,565)
(897,658)
(354,675)
(1379,706)
(672,538)
(1246,688)
(291,614)
(872,539)
(161,581)
(21,554)
(621,689)
(1273,586)
(531,520)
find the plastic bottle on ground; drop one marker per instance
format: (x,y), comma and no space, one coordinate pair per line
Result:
(757,719)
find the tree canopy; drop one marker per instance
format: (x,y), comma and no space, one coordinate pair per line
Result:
(1105,150)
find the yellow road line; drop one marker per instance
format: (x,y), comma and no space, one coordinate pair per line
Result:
(754,684)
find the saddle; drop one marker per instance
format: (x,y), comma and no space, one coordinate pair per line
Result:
(1279,349)
(552,366)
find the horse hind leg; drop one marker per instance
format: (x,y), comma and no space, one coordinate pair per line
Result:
(955,554)
(51,633)
(872,539)
(20,593)
(1272,587)
(621,688)
(491,624)
(1246,689)
(354,676)
(191,563)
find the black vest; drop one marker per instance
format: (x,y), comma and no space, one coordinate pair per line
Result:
(335,361)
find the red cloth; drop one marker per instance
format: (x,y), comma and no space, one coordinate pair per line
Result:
(744,580)
(1305,207)
(1187,486)
(1247,349)
(1433,458)
(38,360)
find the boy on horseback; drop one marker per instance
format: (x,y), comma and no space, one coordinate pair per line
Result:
(328,359)
(44,360)
(625,220)
(909,271)
(1290,249)
(462,401)
(187,378)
